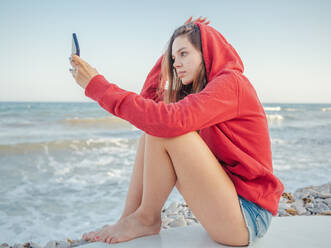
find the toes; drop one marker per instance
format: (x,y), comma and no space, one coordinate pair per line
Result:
(98,235)
(91,236)
(108,239)
(84,237)
(114,240)
(102,235)
(102,239)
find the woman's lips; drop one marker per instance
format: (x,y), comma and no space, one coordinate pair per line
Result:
(180,74)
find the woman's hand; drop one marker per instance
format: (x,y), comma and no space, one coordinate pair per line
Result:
(82,71)
(200,20)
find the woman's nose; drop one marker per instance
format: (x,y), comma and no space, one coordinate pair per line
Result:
(177,64)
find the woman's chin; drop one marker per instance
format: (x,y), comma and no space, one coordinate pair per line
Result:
(186,83)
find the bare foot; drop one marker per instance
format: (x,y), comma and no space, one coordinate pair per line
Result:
(131,227)
(91,236)
(106,229)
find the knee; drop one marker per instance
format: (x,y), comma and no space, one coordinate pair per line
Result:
(169,138)
(152,137)
(184,138)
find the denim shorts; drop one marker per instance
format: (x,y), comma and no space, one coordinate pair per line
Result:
(257,219)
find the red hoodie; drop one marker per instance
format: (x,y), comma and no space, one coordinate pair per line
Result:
(228,113)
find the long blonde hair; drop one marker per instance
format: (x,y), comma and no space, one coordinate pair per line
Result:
(176,90)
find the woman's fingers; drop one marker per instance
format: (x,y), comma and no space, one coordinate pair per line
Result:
(189,20)
(73,62)
(82,71)
(74,71)
(199,20)
(79,61)
(203,19)
(76,59)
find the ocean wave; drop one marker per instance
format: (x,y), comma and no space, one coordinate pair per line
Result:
(20,123)
(277,141)
(278,108)
(66,145)
(290,109)
(275,117)
(326,109)
(112,122)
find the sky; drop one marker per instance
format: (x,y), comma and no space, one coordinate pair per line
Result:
(285,45)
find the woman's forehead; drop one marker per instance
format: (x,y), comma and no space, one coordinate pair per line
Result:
(179,43)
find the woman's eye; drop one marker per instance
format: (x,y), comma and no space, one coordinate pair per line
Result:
(183,53)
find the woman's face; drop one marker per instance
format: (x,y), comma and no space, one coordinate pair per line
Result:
(187,59)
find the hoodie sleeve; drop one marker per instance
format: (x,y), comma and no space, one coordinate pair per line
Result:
(216,103)
(152,83)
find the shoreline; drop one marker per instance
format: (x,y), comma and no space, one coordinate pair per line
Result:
(310,200)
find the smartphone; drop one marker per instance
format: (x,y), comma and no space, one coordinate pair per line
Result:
(75,45)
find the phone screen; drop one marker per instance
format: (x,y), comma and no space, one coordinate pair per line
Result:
(75,45)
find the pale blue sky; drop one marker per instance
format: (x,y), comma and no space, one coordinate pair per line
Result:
(285,45)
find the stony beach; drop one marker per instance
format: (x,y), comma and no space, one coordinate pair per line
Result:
(311,200)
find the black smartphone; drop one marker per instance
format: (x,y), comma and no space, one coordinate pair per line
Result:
(75,45)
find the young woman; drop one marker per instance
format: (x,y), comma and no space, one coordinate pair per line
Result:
(207,135)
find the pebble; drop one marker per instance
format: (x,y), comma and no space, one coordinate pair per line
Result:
(51,244)
(298,205)
(190,221)
(180,221)
(18,246)
(173,206)
(328,201)
(311,200)
(326,213)
(34,245)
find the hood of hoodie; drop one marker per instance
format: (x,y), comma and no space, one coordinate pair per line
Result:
(218,54)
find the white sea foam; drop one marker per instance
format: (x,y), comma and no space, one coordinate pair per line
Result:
(326,109)
(276,117)
(105,121)
(62,209)
(66,145)
(278,108)
(279,167)
(277,141)
(290,109)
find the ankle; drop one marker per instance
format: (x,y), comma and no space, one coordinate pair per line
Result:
(122,217)
(148,218)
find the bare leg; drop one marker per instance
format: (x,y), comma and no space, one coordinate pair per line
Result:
(202,181)
(148,221)
(134,195)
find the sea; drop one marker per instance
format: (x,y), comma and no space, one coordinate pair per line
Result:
(65,167)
